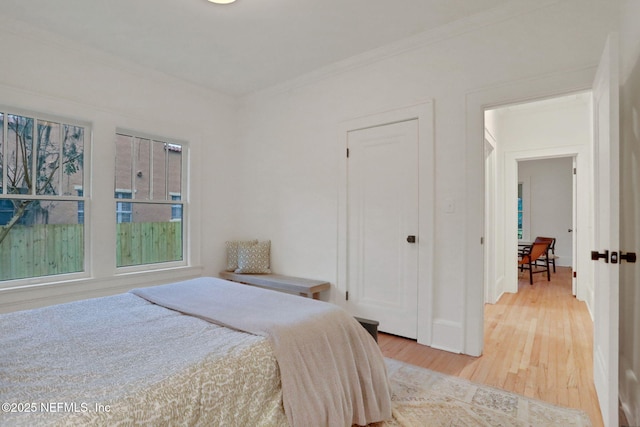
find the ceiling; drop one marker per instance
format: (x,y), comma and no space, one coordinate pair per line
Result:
(245,46)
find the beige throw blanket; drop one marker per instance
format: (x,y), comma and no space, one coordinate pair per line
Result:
(332,371)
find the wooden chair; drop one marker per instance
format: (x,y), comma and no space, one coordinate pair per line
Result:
(528,257)
(551,251)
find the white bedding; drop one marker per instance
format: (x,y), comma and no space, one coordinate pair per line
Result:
(121,360)
(332,371)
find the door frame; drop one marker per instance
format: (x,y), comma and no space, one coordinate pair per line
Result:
(580,155)
(556,84)
(476,103)
(423,112)
(501,244)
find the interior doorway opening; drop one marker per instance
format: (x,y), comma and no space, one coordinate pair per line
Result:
(540,152)
(547,199)
(546,140)
(537,183)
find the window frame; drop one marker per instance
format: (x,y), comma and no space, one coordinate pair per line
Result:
(84,200)
(184,200)
(526,209)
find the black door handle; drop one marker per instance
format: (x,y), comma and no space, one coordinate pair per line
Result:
(595,255)
(629,257)
(411,239)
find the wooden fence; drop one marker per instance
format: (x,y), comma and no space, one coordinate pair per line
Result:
(148,243)
(46,249)
(41,250)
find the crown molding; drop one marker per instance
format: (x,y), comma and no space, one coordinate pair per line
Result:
(454,29)
(43,37)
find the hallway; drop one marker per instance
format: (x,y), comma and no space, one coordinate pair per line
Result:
(537,342)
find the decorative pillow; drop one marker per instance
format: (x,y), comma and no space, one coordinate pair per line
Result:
(254,258)
(232,252)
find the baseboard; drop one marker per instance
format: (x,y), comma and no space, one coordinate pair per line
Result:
(629,386)
(447,336)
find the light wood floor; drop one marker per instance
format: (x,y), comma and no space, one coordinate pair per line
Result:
(538,343)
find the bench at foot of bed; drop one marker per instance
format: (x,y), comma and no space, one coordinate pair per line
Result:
(304,287)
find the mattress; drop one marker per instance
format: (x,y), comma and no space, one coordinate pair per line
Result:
(122,360)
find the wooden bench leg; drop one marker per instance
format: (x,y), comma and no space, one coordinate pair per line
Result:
(314,295)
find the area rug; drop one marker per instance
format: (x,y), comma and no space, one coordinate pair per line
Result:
(425,398)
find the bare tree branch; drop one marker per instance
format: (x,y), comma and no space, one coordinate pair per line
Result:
(19,212)
(21,174)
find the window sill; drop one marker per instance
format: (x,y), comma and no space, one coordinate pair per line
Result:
(21,295)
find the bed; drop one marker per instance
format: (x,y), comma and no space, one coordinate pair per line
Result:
(199,352)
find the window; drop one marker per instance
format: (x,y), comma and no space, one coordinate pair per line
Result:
(41,166)
(150,223)
(520,212)
(80,193)
(176,209)
(123,209)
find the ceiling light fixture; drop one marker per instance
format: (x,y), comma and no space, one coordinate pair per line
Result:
(222,1)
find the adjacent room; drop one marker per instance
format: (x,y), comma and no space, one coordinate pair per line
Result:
(364,155)
(532,150)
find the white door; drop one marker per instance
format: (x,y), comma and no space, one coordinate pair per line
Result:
(382,265)
(606,232)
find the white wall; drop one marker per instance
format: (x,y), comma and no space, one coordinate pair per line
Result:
(47,74)
(630,211)
(288,134)
(270,169)
(550,184)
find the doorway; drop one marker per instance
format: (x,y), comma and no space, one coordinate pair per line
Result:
(556,131)
(541,152)
(477,103)
(546,206)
